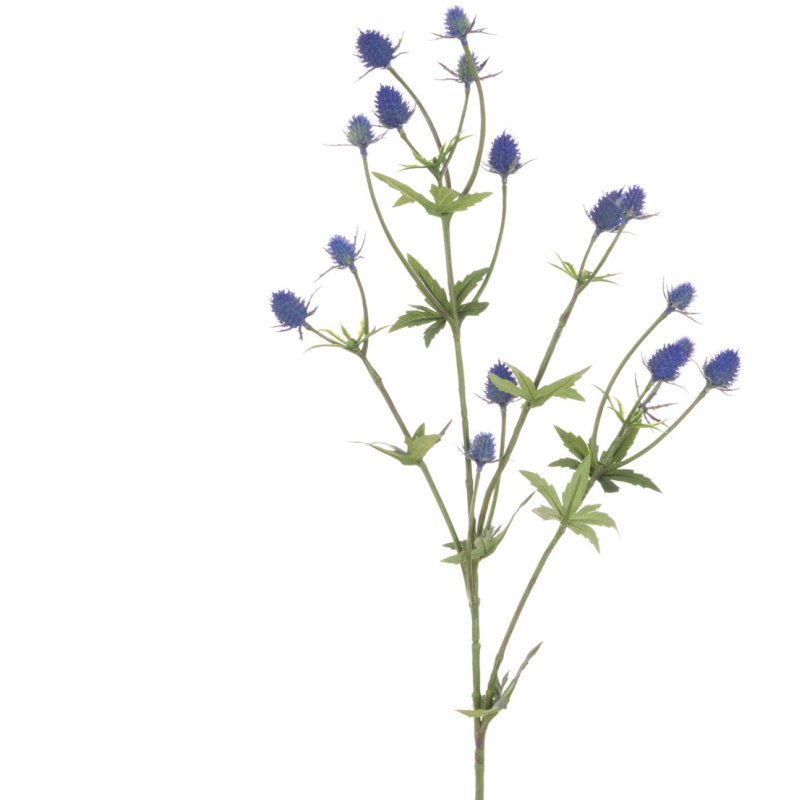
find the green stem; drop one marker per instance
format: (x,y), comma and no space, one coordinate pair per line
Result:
(635,410)
(497,245)
(378,381)
(387,233)
(482,103)
(455,326)
(456,138)
(364,308)
(480,760)
(436,174)
(493,686)
(596,427)
(669,430)
(503,417)
(393,72)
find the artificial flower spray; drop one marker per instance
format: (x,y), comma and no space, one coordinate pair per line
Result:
(627,422)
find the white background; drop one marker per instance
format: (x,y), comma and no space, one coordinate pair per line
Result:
(206,589)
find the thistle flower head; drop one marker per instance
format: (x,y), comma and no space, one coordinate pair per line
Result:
(359,133)
(343,252)
(722,370)
(463,71)
(504,156)
(482,450)
(290,311)
(617,207)
(391,107)
(667,361)
(375,50)
(680,297)
(457,24)
(491,392)
(606,213)
(633,203)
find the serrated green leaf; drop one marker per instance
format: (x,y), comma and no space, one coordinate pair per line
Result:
(402,201)
(420,443)
(607,485)
(431,331)
(575,490)
(627,440)
(479,712)
(506,386)
(468,283)
(545,512)
(591,516)
(411,194)
(584,530)
(575,444)
(547,491)
(448,201)
(472,309)
(435,291)
(570,394)
(483,547)
(414,317)
(558,388)
(572,463)
(629,476)
(466,201)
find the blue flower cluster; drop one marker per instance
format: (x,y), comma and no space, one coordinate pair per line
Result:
(504,158)
(359,133)
(290,311)
(491,392)
(375,50)
(391,107)
(482,450)
(667,361)
(343,252)
(680,297)
(457,24)
(615,208)
(722,370)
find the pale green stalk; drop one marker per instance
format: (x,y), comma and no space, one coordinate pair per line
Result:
(497,244)
(482,103)
(364,308)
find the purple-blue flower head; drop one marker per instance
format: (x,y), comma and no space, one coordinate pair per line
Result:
(491,392)
(359,133)
(457,24)
(504,156)
(606,213)
(391,108)
(667,361)
(680,297)
(463,71)
(615,208)
(375,50)
(722,370)
(633,203)
(290,311)
(343,252)
(482,450)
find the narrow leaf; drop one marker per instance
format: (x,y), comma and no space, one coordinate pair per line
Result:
(545,489)
(558,388)
(415,317)
(584,530)
(472,309)
(575,444)
(429,282)
(432,331)
(545,512)
(479,712)
(468,283)
(572,463)
(506,696)
(407,191)
(575,490)
(607,485)
(629,476)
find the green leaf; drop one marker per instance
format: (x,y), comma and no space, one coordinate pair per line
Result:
(545,512)
(479,712)
(591,516)
(431,331)
(417,446)
(506,386)
(506,696)
(468,283)
(402,201)
(419,315)
(448,201)
(572,463)
(547,491)
(607,485)
(559,388)
(411,195)
(575,444)
(584,530)
(629,476)
(570,394)
(472,309)
(575,490)
(435,291)
(483,547)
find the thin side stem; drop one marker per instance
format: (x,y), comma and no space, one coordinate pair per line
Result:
(476,78)
(446,165)
(596,427)
(364,308)
(669,430)
(498,243)
(503,420)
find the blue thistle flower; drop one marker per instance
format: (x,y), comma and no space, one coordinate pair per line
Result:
(607,212)
(391,108)
(343,252)
(492,393)
(290,310)
(504,156)
(722,370)
(375,50)
(457,24)
(667,361)
(359,133)
(463,73)
(680,297)
(482,450)
(633,203)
